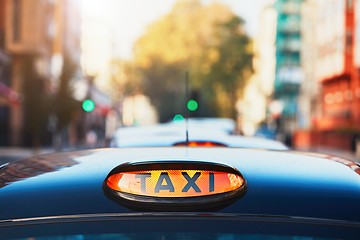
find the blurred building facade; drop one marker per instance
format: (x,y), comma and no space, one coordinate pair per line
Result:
(289,74)
(257,94)
(96,43)
(340,113)
(66,36)
(66,46)
(330,62)
(25,35)
(4,80)
(137,110)
(43,32)
(96,62)
(308,103)
(316,82)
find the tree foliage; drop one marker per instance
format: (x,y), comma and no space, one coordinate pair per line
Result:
(125,78)
(39,104)
(35,102)
(206,41)
(230,73)
(64,104)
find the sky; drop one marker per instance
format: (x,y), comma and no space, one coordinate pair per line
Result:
(129,19)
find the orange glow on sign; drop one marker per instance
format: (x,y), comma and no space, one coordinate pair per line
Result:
(174,183)
(200,144)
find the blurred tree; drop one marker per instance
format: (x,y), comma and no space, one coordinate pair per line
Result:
(207,41)
(165,85)
(35,102)
(125,78)
(228,76)
(64,105)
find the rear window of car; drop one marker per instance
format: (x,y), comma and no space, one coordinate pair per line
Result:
(205,226)
(174,236)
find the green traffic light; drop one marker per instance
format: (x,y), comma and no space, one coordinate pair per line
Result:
(178,117)
(88,105)
(192,105)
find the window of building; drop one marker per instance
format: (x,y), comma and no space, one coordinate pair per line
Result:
(349,40)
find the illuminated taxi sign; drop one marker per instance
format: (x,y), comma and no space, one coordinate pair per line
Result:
(174,184)
(200,144)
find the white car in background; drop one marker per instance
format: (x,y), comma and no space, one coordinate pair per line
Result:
(227,125)
(187,134)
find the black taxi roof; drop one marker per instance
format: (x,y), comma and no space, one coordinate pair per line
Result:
(279,183)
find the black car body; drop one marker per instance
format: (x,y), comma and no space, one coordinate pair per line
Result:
(283,195)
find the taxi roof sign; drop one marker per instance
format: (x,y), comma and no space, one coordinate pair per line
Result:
(200,144)
(168,184)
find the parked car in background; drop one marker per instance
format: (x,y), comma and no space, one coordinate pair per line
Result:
(227,125)
(194,133)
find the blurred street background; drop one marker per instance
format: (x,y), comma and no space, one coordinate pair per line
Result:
(72,71)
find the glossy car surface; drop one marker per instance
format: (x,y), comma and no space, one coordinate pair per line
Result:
(287,194)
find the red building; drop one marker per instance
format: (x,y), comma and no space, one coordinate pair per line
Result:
(337,125)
